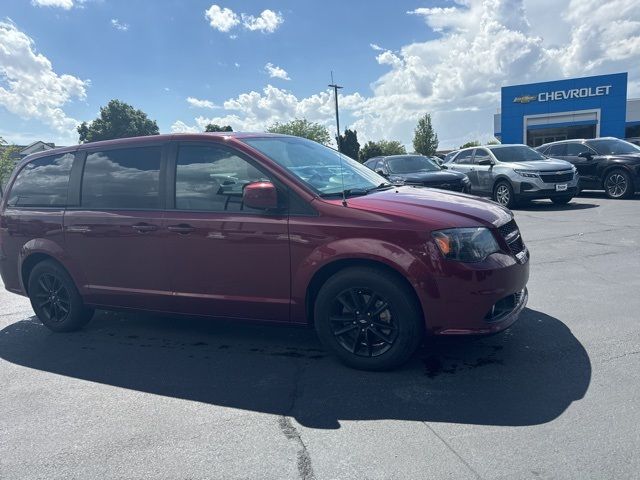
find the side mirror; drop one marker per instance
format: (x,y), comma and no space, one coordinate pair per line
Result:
(260,195)
(586,155)
(380,172)
(488,161)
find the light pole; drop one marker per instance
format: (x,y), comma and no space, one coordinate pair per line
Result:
(335,95)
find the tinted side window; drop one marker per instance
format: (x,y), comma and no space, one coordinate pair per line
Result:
(464,157)
(127,178)
(212,178)
(42,183)
(574,149)
(481,154)
(559,149)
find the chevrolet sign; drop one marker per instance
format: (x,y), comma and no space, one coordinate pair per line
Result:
(565,94)
(524,99)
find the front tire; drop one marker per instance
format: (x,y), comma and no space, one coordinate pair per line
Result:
(618,184)
(503,194)
(561,200)
(368,318)
(55,298)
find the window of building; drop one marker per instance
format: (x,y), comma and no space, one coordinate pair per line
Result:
(127,178)
(42,183)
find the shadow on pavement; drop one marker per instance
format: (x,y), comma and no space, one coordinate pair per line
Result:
(549,206)
(527,375)
(601,194)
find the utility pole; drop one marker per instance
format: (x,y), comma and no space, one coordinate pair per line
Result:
(335,95)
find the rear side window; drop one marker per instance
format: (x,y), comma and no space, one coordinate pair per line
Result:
(212,178)
(464,157)
(127,178)
(575,149)
(559,149)
(42,183)
(481,154)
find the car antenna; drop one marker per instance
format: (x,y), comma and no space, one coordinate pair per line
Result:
(335,87)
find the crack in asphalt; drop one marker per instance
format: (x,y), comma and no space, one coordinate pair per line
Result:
(305,468)
(453,450)
(627,354)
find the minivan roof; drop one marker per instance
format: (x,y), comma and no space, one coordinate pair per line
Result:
(149,138)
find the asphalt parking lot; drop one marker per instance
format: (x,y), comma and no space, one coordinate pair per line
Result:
(555,396)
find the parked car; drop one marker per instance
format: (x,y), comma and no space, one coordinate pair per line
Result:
(418,170)
(607,163)
(513,173)
(262,227)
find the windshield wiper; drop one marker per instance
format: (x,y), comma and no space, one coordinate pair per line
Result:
(382,186)
(354,192)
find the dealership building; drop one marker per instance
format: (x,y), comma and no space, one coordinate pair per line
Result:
(585,107)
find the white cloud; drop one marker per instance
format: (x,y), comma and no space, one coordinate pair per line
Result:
(267,22)
(480,46)
(181,127)
(225,19)
(197,103)
(118,25)
(65,4)
(33,90)
(276,72)
(222,19)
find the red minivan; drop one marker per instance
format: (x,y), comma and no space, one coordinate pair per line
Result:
(260,227)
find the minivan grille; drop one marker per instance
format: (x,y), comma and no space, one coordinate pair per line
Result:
(555,177)
(511,235)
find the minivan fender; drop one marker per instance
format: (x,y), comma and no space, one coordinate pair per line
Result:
(327,259)
(39,249)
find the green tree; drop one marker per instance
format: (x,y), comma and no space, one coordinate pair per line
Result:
(214,127)
(370,150)
(9,156)
(301,127)
(392,147)
(473,143)
(381,148)
(425,139)
(349,143)
(493,141)
(117,120)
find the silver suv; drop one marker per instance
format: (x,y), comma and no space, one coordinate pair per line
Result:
(511,173)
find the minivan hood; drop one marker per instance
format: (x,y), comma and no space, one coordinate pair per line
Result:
(438,208)
(436,177)
(550,164)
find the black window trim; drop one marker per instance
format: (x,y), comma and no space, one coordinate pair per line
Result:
(77,176)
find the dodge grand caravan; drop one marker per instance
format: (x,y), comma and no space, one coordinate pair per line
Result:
(260,227)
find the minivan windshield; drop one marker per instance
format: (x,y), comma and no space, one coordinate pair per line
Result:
(325,170)
(613,146)
(517,153)
(411,164)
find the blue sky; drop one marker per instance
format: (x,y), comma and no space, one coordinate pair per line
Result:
(397,60)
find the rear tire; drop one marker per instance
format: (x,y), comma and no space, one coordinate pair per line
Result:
(618,184)
(368,318)
(561,200)
(55,298)
(503,194)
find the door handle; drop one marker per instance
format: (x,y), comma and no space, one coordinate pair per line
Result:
(144,227)
(181,229)
(78,229)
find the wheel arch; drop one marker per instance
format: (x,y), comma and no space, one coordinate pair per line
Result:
(327,271)
(616,166)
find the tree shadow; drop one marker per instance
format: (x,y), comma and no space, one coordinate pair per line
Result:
(601,194)
(527,375)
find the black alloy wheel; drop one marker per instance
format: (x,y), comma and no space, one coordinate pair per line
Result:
(55,298)
(52,297)
(362,322)
(369,317)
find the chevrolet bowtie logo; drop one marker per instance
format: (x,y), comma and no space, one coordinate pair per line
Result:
(524,99)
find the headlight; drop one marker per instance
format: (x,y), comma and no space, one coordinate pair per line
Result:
(466,244)
(465,179)
(527,173)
